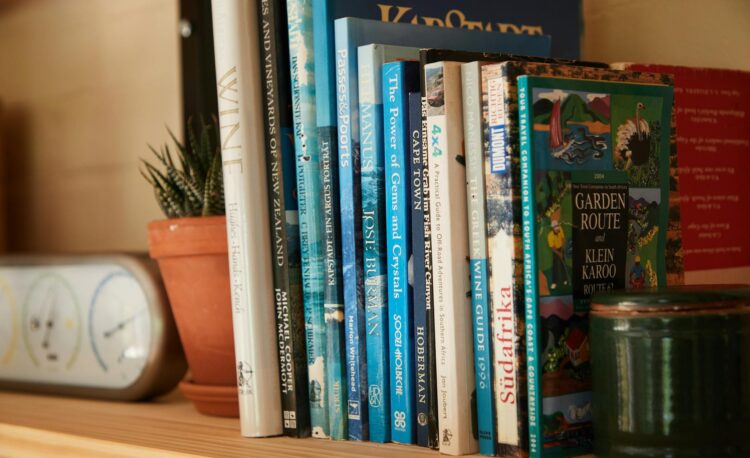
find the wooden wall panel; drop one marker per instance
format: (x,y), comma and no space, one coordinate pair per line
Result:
(697,33)
(86,85)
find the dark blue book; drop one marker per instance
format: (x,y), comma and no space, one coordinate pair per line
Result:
(421,348)
(399,78)
(560,19)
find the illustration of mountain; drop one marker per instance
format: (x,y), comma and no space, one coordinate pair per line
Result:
(601,106)
(542,110)
(574,109)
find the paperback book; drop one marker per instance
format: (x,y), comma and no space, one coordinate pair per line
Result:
(399,78)
(595,192)
(302,80)
(453,340)
(418,266)
(286,261)
(370,60)
(503,214)
(473,141)
(333,299)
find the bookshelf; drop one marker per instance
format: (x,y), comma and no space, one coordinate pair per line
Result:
(36,425)
(90,115)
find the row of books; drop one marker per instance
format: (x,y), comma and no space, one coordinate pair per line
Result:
(439,219)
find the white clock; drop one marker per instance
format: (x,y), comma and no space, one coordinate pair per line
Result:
(97,326)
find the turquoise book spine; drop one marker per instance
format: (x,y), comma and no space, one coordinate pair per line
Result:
(310,211)
(398,79)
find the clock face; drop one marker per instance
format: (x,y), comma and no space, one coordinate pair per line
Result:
(51,323)
(8,324)
(120,327)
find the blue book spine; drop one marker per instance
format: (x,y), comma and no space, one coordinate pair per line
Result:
(299,15)
(475,204)
(399,78)
(421,344)
(350,232)
(325,102)
(373,224)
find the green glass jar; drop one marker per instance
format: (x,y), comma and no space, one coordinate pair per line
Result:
(671,372)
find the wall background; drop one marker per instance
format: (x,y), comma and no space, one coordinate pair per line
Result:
(86,84)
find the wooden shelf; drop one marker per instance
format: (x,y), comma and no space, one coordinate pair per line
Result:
(34,425)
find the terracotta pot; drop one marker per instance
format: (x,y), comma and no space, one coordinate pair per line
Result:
(192,256)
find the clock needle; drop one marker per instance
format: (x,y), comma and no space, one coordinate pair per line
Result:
(121,325)
(36,323)
(50,323)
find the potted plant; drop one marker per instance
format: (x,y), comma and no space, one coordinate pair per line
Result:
(191,249)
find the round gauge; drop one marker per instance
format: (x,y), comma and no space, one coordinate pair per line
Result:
(8,324)
(52,322)
(120,326)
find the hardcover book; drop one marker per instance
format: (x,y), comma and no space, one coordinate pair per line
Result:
(399,78)
(333,299)
(560,19)
(286,262)
(248,229)
(450,268)
(370,60)
(595,193)
(302,79)
(503,214)
(713,137)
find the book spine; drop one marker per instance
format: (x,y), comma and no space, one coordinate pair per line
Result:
(351,236)
(503,214)
(287,275)
(373,224)
(333,297)
(455,368)
(398,78)
(325,102)
(299,14)
(472,115)
(432,417)
(248,230)
(530,276)
(421,345)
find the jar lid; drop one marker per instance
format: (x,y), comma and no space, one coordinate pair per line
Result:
(708,298)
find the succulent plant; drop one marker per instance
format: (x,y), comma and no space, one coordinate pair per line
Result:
(189,182)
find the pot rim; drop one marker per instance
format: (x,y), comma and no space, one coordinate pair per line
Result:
(192,236)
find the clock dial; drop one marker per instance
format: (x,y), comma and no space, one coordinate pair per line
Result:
(8,324)
(52,322)
(120,326)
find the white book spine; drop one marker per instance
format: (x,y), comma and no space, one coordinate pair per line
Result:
(248,228)
(501,260)
(450,243)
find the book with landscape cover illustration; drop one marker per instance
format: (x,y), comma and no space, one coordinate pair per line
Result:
(595,191)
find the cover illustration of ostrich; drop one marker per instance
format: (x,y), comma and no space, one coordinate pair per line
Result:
(599,188)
